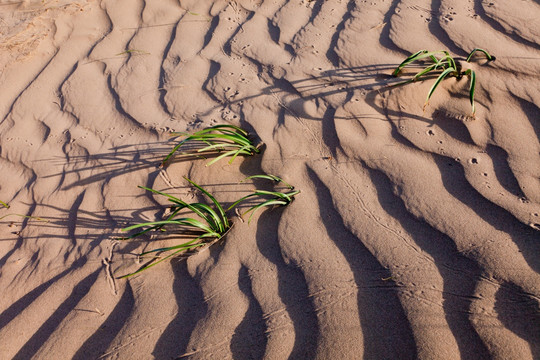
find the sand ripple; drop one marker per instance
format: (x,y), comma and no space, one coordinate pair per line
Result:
(415,235)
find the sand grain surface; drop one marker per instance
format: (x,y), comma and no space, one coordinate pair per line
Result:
(416,233)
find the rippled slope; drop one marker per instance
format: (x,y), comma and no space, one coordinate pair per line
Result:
(416,233)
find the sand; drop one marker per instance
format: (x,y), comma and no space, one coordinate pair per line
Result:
(416,234)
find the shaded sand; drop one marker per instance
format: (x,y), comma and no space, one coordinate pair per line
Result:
(416,234)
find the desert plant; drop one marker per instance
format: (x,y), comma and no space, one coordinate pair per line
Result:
(214,225)
(445,66)
(225,140)
(6,205)
(270,198)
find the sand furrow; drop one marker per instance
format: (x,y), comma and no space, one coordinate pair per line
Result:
(415,232)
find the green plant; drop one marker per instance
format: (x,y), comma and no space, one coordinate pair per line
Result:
(214,225)
(225,140)
(445,66)
(270,198)
(6,205)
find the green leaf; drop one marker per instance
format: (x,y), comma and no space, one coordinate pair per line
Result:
(488,56)
(181,221)
(472,86)
(152,264)
(213,199)
(263,204)
(422,54)
(240,200)
(225,154)
(441,77)
(269,177)
(219,138)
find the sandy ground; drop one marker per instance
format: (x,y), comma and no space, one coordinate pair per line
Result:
(416,234)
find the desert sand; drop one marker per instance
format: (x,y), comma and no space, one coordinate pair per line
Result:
(416,234)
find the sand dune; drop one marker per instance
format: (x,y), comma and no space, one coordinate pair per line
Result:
(415,235)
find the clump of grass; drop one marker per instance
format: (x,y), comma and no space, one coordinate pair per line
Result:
(212,224)
(269,198)
(445,65)
(224,140)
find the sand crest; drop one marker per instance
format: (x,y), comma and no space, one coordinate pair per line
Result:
(416,234)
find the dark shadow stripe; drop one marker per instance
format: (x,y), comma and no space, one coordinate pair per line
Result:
(49,326)
(249,338)
(460,275)
(99,342)
(191,308)
(519,311)
(385,327)
(20,305)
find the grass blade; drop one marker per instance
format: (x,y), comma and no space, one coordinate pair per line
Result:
(407,61)
(488,56)
(152,264)
(441,77)
(269,177)
(219,138)
(187,245)
(216,203)
(189,222)
(225,154)
(472,86)
(422,54)
(240,200)
(270,202)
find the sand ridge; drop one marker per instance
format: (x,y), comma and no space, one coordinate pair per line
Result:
(416,233)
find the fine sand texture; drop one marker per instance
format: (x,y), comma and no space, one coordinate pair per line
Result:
(416,234)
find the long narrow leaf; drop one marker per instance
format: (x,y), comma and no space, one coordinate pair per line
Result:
(269,177)
(187,245)
(243,150)
(152,264)
(182,221)
(221,156)
(422,54)
(172,198)
(441,77)
(241,199)
(408,60)
(488,56)
(175,149)
(233,138)
(213,219)
(472,86)
(277,194)
(213,199)
(263,204)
